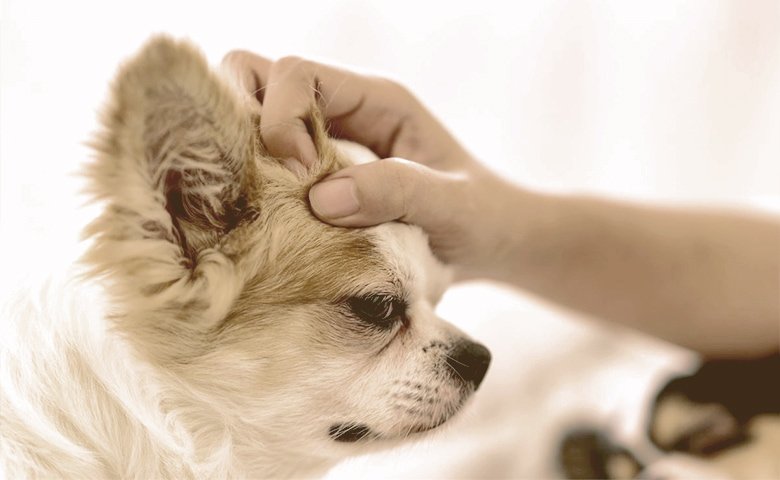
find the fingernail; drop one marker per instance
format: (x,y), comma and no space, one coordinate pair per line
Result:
(334,199)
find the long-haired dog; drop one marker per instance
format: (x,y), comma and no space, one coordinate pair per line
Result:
(222,330)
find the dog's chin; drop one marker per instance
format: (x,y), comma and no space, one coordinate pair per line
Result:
(350,432)
(358,433)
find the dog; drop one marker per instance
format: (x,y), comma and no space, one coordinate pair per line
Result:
(222,330)
(720,421)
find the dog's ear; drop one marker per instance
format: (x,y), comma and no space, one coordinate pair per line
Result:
(175,168)
(175,137)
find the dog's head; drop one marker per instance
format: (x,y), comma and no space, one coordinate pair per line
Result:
(300,337)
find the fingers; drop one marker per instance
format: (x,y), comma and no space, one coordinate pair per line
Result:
(385,190)
(250,70)
(290,94)
(287,92)
(362,108)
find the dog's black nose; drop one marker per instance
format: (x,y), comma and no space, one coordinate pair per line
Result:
(469,362)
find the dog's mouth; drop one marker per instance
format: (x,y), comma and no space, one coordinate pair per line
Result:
(356,432)
(353,432)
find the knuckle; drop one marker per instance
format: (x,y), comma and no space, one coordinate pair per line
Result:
(234,57)
(395,86)
(292,63)
(390,170)
(396,89)
(244,60)
(397,174)
(239,64)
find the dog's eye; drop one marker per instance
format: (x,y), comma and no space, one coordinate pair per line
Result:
(381,311)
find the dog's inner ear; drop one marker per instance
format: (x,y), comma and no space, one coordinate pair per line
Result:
(197,143)
(204,189)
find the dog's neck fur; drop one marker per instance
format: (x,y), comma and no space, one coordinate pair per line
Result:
(104,414)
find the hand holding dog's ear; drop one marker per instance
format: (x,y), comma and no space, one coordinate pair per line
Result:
(372,111)
(384,191)
(437,190)
(460,211)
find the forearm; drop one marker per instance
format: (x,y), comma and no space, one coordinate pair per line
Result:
(709,281)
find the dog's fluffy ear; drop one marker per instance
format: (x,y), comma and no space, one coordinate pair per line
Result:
(174,165)
(175,137)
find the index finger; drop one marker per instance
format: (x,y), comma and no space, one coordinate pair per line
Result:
(362,108)
(250,70)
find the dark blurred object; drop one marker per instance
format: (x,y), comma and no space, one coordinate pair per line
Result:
(589,453)
(703,415)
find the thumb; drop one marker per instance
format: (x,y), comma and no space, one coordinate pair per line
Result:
(383,191)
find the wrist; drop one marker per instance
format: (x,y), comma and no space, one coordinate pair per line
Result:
(519,230)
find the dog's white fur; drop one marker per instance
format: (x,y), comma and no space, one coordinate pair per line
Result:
(208,336)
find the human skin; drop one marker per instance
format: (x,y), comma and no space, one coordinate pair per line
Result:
(704,279)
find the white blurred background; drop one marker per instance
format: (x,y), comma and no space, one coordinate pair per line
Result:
(673,101)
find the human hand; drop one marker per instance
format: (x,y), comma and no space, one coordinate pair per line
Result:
(442,189)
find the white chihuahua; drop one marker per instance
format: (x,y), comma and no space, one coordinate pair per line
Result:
(237,336)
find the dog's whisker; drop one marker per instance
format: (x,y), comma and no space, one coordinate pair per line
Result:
(455,371)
